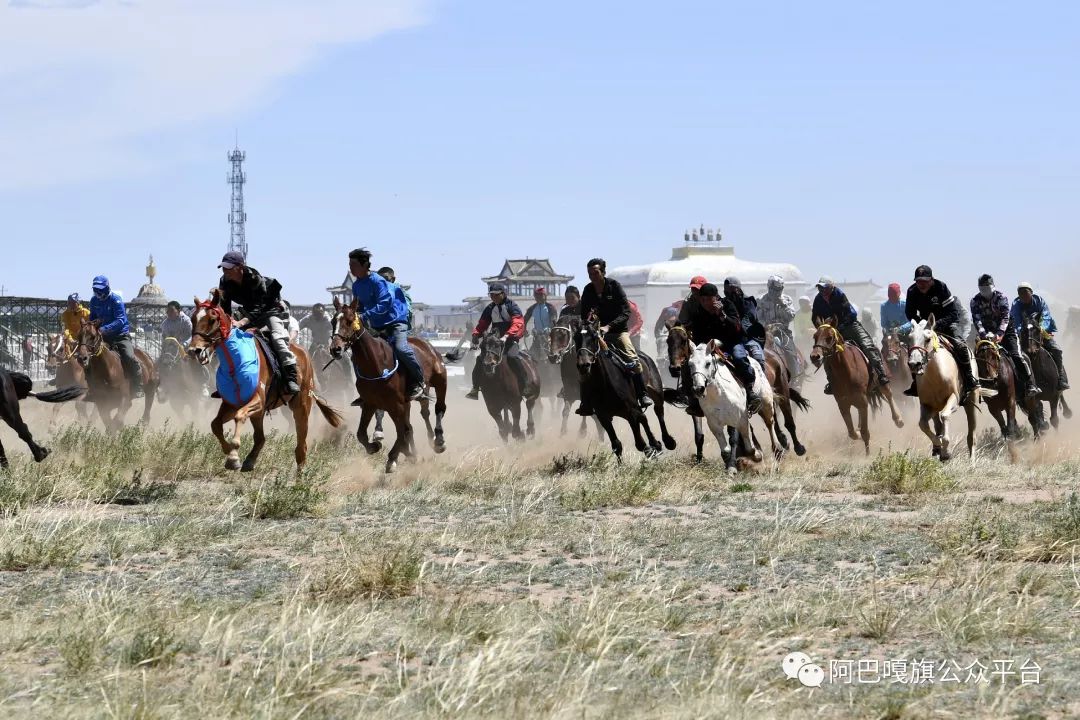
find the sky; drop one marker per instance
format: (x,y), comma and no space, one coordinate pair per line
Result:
(852,139)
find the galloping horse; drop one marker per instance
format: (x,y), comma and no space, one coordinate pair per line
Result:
(797,375)
(997,367)
(1045,375)
(60,356)
(560,344)
(334,374)
(182,379)
(894,353)
(937,378)
(105,376)
(607,384)
(211,327)
(679,350)
(381,383)
(501,390)
(15,387)
(548,374)
(850,377)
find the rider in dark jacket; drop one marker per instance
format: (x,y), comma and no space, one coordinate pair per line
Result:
(929,296)
(717,318)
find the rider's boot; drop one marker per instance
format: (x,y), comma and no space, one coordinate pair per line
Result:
(912,391)
(474,393)
(639,387)
(292,379)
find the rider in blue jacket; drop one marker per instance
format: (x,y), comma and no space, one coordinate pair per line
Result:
(107,307)
(1026,304)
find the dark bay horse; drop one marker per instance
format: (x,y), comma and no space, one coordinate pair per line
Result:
(894,353)
(335,375)
(1046,377)
(381,383)
(60,356)
(211,325)
(501,390)
(15,387)
(607,384)
(997,368)
(105,376)
(850,377)
(679,349)
(182,377)
(561,356)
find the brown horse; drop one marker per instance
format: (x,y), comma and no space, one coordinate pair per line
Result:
(105,376)
(894,353)
(1045,375)
(334,374)
(381,383)
(60,356)
(501,390)
(997,368)
(561,355)
(210,327)
(850,377)
(182,377)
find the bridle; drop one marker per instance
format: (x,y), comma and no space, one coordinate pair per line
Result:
(837,345)
(995,350)
(935,345)
(563,329)
(224,328)
(359,330)
(672,332)
(93,352)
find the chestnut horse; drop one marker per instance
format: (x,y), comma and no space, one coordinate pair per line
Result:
(996,368)
(850,377)
(61,358)
(894,353)
(381,383)
(111,390)
(210,327)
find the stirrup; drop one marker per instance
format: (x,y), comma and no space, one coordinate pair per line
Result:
(418,392)
(358,402)
(584,410)
(473,394)
(644,401)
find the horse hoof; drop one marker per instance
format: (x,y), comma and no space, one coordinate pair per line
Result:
(699,458)
(757,456)
(248,466)
(373,448)
(731,472)
(232,464)
(1067,413)
(800,449)
(935,452)
(391,466)
(440,447)
(41,454)
(377,437)
(669,443)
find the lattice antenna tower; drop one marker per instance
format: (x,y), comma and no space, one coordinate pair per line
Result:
(237,217)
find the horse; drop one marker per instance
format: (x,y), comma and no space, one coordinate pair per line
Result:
(549,375)
(381,383)
(15,387)
(334,375)
(1045,374)
(60,356)
(211,326)
(784,394)
(679,350)
(501,390)
(607,385)
(938,381)
(796,376)
(560,343)
(850,377)
(997,368)
(182,378)
(723,400)
(105,376)
(894,353)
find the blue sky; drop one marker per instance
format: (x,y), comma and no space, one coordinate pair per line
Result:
(847,138)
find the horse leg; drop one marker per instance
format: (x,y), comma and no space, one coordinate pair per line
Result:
(864,422)
(699,439)
(897,418)
(259,440)
(404,430)
(789,423)
(9,412)
(768,416)
(231,446)
(515,414)
(566,417)
(609,428)
(1066,411)
(425,413)
(924,425)
(378,436)
(971,423)
(530,426)
(946,442)
(729,447)
(845,412)
(440,411)
(361,431)
(1054,411)
(3,457)
(658,409)
(746,437)
(654,444)
(301,412)
(639,441)
(149,392)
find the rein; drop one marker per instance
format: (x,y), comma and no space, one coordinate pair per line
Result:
(838,345)
(359,331)
(569,342)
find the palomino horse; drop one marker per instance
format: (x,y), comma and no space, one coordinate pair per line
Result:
(937,378)
(381,383)
(501,390)
(105,376)
(182,377)
(894,353)
(850,378)
(560,344)
(607,384)
(1045,374)
(723,400)
(211,325)
(61,358)
(997,368)
(15,387)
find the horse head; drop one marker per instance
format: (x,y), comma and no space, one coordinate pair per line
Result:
(988,358)
(894,348)
(923,342)
(561,338)
(492,351)
(702,361)
(679,348)
(172,352)
(827,340)
(1031,336)
(55,351)
(90,344)
(589,343)
(347,327)
(210,325)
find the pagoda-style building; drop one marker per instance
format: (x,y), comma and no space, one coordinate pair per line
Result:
(522,277)
(151,293)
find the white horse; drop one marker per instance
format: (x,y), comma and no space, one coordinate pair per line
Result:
(937,378)
(723,400)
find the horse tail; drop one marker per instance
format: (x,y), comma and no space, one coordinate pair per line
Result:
(62,395)
(796,397)
(875,397)
(24,386)
(335,418)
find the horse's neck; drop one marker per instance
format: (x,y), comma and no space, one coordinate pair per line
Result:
(371,352)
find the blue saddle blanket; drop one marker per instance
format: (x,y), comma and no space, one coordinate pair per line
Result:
(238,380)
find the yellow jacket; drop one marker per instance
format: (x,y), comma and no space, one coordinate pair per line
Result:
(72,320)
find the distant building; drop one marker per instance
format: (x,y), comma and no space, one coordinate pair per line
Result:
(521,278)
(150,293)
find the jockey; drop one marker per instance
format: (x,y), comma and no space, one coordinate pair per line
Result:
(608,300)
(390,276)
(832,302)
(260,299)
(71,319)
(690,304)
(382,307)
(176,325)
(668,317)
(542,313)
(319,325)
(504,316)
(804,321)
(107,307)
(990,312)
(634,325)
(1028,303)
(928,296)
(573,302)
(892,313)
(776,309)
(717,318)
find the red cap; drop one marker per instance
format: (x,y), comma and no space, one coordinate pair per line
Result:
(894,290)
(697,281)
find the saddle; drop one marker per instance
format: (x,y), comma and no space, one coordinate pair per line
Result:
(276,386)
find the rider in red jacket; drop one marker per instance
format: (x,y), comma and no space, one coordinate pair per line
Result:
(504,317)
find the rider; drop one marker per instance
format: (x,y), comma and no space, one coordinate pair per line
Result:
(320,326)
(177,326)
(717,318)
(260,299)
(504,316)
(108,307)
(608,300)
(71,319)
(542,313)
(832,302)
(929,296)
(382,308)
(776,309)
(690,304)
(1028,303)
(892,313)
(572,296)
(390,276)
(634,325)
(990,312)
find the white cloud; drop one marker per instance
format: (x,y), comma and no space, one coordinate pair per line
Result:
(82,81)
